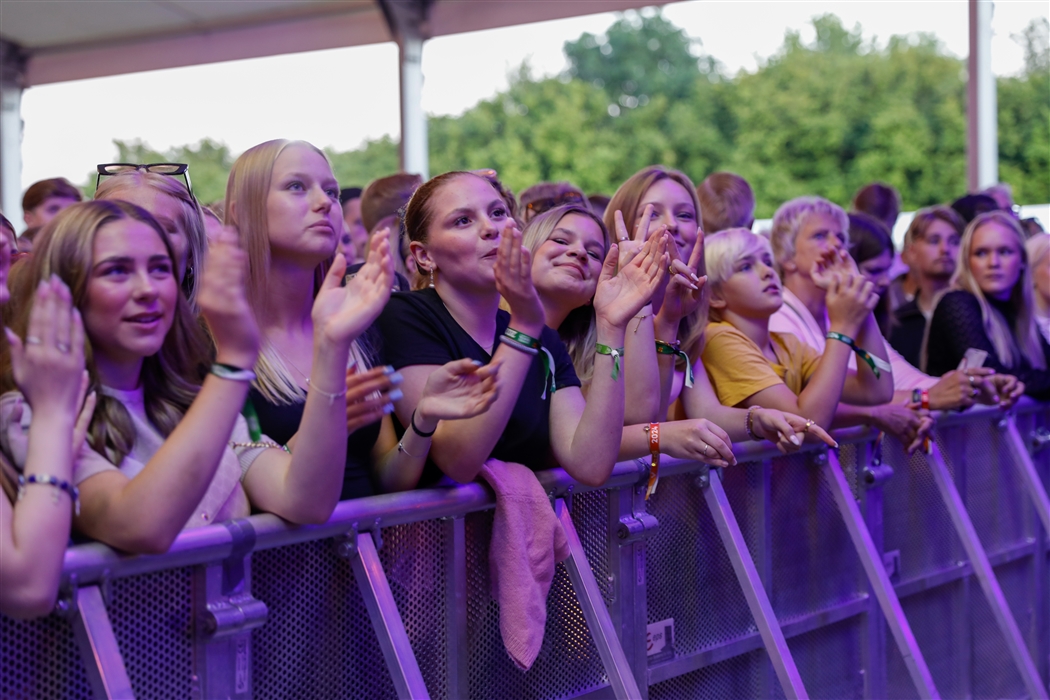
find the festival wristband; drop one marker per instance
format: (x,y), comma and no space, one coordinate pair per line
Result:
(665,348)
(519,337)
(232,373)
(863,354)
(616,353)
(653,432)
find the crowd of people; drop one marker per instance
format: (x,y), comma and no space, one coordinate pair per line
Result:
(168,365)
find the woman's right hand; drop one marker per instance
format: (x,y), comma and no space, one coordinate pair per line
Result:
(697,439)
(340,314)
(223,301)
(49,364)
(457,390)
(514,283)
(907,425)
(786,430)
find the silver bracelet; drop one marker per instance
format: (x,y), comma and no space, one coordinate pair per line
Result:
(401,448)
(522,347)
(331,397)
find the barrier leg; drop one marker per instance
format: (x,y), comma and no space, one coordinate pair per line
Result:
(98,646)
(594,611)
(1023,461)
(458,662)
(754,591)
(982,569)
(375,589)
(880,582)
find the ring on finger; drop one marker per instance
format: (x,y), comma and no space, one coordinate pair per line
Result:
(625,238)
(705,448)
(808,424)
(971,380)
(33,340)
(670,270)
(62,347)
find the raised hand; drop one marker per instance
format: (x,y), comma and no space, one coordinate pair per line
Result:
(224,302)
(630,245)
(619,297)
(684,291)
(340,314)
(850,298)
(514,283)
(48,365)
(786,430)
(836,260)
(457,390)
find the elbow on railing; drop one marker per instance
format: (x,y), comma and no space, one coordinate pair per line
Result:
(27,601)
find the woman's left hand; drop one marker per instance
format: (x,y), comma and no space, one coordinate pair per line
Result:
(685,289)
(619,297)
(786,430)
(457,390)
(340,314)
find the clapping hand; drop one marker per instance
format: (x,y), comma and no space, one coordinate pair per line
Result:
(457,390)
(619,297)
(514,283)
(224,303)
(836,260)
(341,314)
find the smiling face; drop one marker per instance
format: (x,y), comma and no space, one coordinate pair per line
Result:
(131,292)
(753,289)
(817,235)
(674,208)
(467,216)
(168,213)
(302,207)
(995,260)
(933,254)
(567,264)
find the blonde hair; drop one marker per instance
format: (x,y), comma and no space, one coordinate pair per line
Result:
(1023,340)
(723,250)
(727,200)
(191,217)
(628,199)
(170,378)
(924,218)
(788,221)
(578,331)
(1038,248)
(246,194)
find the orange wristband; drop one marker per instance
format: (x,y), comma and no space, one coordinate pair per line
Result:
(653,430)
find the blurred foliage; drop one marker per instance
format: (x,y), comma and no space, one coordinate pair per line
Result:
(815,118)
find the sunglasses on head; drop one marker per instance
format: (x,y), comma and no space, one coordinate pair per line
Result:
(170,169)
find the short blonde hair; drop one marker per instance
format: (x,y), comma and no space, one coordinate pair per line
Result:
(723,250)
(788,221)
(727,201)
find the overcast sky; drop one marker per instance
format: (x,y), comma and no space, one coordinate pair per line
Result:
(69,127)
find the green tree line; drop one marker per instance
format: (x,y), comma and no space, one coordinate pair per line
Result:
(821,118)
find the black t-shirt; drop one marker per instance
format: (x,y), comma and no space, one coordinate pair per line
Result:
(417,329)
(956,326)
(281,422)
(907,332)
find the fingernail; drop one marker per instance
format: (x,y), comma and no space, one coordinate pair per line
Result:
(388,369)
(477,363)
(836,445)
(795,441)
(395,395)
(388,409)
(396,378)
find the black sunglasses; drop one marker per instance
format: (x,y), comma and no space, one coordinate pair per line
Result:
(170,169)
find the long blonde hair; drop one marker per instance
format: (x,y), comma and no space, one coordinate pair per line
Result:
(1023,340)
(578,331)
(170,378)
(628,199)
(246,194)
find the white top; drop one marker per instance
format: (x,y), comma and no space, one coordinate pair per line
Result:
(794,317)
(225,498)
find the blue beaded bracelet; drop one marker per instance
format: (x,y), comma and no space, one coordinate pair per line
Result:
(53,481)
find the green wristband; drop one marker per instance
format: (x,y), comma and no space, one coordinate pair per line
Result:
(665,348)
(616,353)
(861,352)
(522,338)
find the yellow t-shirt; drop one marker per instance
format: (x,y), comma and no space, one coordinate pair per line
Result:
(738,369)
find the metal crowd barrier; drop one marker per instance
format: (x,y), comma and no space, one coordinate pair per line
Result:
(813,575)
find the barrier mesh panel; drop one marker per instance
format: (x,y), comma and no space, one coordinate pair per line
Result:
(152,622)
(39,659)
(739,677)
(413,558)
(994,673)
(746,489)
(939,620)
(318,641)
(829,660)
(590,514)
(689,577)
(815,566)
(568,663)
(915,520)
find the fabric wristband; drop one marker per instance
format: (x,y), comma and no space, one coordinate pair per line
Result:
(653,432)
(616,353)
(232,373)
(863,354)
(522,338)
(665,348)
(530,346)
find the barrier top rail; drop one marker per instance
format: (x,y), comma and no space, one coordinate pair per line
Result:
(93,562)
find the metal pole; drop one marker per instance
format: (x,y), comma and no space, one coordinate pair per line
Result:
(982,144)
(98,646)
(414,153)
(12,82)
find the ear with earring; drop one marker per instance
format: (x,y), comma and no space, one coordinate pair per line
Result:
(431,272)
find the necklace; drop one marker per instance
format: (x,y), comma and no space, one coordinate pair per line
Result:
(289,361)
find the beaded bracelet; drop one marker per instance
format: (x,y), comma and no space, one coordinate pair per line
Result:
(616,353)
(749,424)
(261,444)
(54,482)
(665,348)
(875,363)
